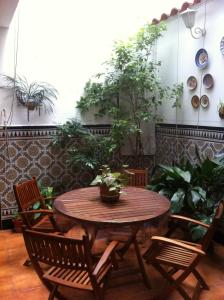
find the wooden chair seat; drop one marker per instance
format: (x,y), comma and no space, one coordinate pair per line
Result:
(171,254)
(78,278)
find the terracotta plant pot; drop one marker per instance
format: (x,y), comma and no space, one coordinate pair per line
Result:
(108,196)
(31,105)
(18,223)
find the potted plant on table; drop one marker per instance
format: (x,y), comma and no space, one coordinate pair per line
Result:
(110,183)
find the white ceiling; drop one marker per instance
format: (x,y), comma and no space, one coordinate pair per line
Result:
(7,8)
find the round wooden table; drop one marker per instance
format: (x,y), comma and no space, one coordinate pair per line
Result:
(135,207)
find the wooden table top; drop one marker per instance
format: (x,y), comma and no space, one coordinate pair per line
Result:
(134,206)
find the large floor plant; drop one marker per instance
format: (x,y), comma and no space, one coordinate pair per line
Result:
(86,151)
(193,190)
(129,91)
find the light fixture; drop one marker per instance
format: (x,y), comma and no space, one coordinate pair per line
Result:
(188,17)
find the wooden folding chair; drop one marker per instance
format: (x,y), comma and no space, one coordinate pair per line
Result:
(181,256)
(27,194)
(137,178)
(69,262)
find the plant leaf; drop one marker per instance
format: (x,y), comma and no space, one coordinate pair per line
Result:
(177,201)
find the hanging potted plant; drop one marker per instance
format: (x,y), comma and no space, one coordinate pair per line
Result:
(32,95)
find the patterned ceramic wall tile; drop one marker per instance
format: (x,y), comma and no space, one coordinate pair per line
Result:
(174,143)
(29,152)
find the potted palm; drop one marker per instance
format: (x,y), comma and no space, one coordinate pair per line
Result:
(110,183)
(32,95)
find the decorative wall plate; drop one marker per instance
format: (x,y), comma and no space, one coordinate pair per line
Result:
(191,83)
(195,101)
(222,45)
(208,81)
(204,101)
(201,58)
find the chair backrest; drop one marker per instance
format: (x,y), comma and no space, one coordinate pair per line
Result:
(57,250)
(210,232)
(27,193)
(138,178)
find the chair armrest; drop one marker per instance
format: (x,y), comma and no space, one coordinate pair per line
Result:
(128,172)
(107,253)
(42,211)
(49,198)
(180,244)
(186,219)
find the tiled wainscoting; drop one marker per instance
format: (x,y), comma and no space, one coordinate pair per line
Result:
(27,152)
(175,142)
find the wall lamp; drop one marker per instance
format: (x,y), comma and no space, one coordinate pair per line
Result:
(188,17)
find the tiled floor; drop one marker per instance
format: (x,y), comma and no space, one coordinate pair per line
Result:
(18,282)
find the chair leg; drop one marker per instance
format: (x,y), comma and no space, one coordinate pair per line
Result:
(174,283)
(141,265)
(52,293)
(98,294)
(201,280)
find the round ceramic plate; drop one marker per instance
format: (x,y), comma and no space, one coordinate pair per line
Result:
(204,101)
(195,101)
(222,45)
(208,81)
(201,58)
(191,83)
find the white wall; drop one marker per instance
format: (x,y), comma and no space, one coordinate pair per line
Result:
(178,63)
(64,42)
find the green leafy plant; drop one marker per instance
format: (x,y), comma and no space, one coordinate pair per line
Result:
(193,190)
(16,216)
(85,150)
(115,181)
(32,95)
(130,90)
(47,193)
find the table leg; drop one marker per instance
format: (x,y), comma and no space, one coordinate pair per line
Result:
(127,244)
(91,232)
(124,249)
(141,265)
